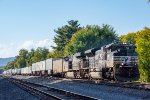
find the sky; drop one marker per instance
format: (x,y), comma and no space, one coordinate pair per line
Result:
(30,23)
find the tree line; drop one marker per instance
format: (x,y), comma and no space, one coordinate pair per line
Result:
(73,37)
(26,58)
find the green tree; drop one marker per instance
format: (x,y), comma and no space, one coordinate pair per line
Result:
(143,49)
(54,54)
(39,54)
(23,53)
(44,53)
(20,60)
(29,57)
(26,58)
(1,69)
(130,38)
(10,65)
(64,34)
(90,37)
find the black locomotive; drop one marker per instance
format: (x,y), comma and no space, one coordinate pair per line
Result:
(117,61)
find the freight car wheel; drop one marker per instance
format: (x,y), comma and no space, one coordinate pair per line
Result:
(75,74)
(90,77)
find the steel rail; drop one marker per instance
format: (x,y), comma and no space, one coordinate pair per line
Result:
(52,92)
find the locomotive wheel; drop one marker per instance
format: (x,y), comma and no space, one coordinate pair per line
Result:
(78,75)
(62,75)
(65,75)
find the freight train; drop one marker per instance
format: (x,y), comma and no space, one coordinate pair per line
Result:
(115,61)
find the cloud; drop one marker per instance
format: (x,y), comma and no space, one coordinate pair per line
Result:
(7,50)
(35,44)
(26,45)
(12,49)
(44,43)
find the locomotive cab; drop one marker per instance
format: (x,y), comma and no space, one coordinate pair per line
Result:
(82,66)
(93,71)
(124,60)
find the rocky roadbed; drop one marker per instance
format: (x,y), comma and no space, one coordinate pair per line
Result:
(9,91)
(102,92)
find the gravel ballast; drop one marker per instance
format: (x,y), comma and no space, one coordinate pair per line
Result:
(102,92)
(9,91)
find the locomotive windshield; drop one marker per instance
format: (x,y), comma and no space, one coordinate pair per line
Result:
(124,50)
(131,51)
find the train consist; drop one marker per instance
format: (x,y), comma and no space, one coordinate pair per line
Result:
(115,61)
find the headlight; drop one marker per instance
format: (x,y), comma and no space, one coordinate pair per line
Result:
(122,64)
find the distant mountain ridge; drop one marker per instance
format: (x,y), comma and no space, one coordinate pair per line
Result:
(4,61)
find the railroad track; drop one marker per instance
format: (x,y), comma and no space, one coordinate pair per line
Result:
(48,93)
(133,85)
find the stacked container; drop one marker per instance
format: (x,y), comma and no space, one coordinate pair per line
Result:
(48,67)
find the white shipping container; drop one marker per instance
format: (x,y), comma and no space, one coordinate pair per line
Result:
(22,71)
(26,70)
(42,65)
(33,67)
(49,64)
(4,72)
(38,65)
(29,70)
(9,71)
(19,71)
(13,71)
(57,66)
